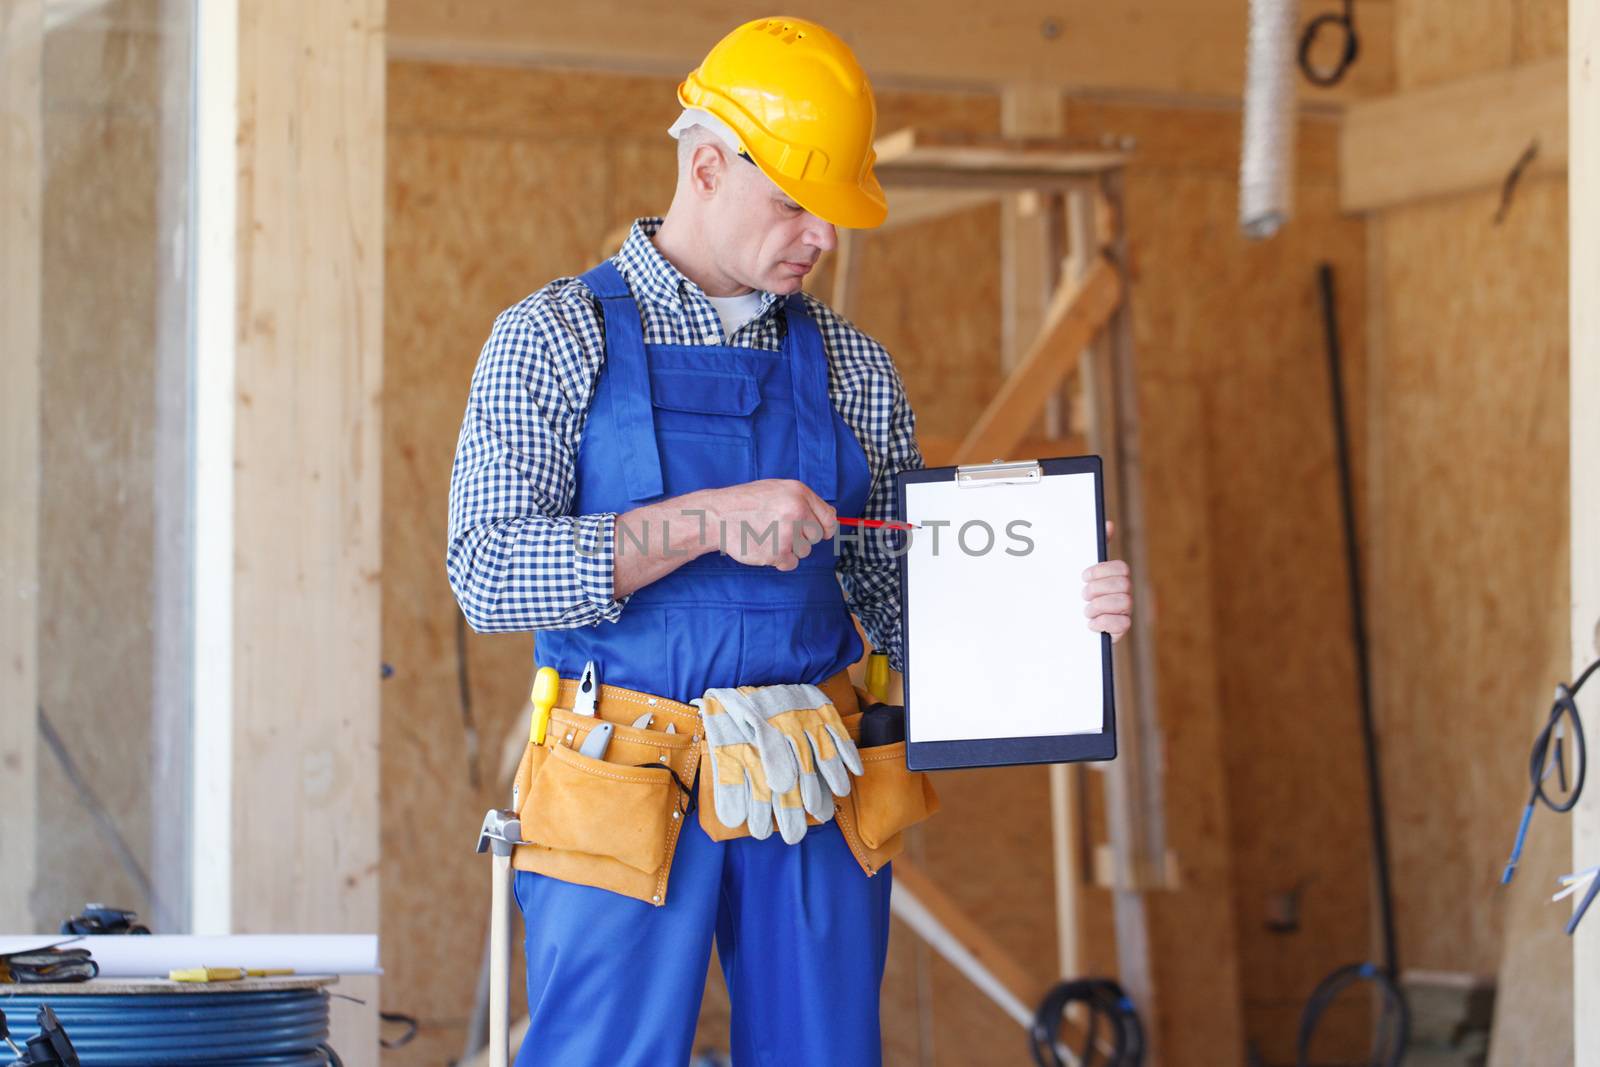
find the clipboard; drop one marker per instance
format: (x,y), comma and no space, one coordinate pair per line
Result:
(1000,665)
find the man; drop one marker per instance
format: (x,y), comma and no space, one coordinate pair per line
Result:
(650,472)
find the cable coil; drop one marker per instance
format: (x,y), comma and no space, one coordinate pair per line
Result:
(1393,1026)
(1109,1009)
(283,1028)
(1563,717)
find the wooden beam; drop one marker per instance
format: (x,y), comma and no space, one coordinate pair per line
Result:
(909,206)
(1030,147)
(1166,46)
(309,369)
(1583,190)
(1454,138)
(1075,315)
(21,178)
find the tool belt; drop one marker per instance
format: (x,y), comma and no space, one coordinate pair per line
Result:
(614,823)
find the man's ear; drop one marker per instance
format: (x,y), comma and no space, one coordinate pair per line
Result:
(707,170)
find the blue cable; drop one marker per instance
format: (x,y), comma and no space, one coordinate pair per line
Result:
(1516,847)
(282,1028)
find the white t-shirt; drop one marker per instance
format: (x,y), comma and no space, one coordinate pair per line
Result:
(735,311)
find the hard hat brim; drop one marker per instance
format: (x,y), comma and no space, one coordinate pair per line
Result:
(853,207)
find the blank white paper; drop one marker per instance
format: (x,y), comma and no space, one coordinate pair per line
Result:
(999,645)
(121,956)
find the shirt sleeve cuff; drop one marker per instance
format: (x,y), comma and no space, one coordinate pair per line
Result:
(594,538)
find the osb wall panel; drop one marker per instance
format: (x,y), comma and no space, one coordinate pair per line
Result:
(1234,391)
(1441,40)
(1469,530)
(1471,574)
(98,432)
(1541,29)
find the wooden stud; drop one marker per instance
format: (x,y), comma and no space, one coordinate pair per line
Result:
(310,356)
(845,259)
(1083,247)
(1030,257)
(1134,798)
(1583,42)
(21,160)
(1453,138)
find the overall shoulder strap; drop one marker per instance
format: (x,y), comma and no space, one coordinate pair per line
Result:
(632,415)
(605,281)
(813,408)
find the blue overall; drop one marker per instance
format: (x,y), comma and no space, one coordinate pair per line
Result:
(802,933)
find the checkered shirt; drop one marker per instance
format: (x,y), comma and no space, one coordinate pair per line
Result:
(518,560)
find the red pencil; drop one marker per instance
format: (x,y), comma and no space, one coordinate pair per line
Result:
(879,523)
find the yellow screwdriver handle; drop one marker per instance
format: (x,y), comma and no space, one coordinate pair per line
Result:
(546,687)
(878,676)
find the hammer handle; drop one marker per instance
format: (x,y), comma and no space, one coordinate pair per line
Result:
(499,963)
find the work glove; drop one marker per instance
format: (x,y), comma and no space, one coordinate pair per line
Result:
(743,766)
(797,722)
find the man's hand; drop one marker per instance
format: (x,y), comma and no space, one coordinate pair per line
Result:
(771,523)
(1109,590)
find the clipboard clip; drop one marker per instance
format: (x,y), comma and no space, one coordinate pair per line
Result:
(999,473)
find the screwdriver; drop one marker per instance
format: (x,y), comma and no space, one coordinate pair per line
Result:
(546,687)
(225,974)
(878,675)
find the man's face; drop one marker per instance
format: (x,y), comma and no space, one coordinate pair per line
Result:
(761,237)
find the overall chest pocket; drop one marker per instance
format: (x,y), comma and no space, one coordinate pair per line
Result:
(705,427)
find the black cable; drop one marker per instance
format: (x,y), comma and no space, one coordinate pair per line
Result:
(1108,1007)
(1394,1021)
(1358,628)
(1513,176)
(1397,1016)
(400,1018)
(49,1047)
(99,920)
(1564,708)
(1346,23)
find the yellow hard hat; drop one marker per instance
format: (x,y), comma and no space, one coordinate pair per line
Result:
(803,108)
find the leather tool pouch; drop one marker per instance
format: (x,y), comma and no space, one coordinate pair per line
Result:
(885,799)
(614,823)
(888,797)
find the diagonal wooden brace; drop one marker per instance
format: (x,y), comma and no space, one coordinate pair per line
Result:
(1076,313)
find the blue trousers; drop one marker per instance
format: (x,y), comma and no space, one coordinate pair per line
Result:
(801,932)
